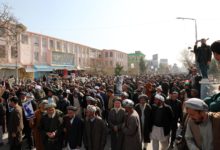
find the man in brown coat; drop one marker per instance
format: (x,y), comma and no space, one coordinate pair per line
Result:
(34,124)
(15,125)
(203,127)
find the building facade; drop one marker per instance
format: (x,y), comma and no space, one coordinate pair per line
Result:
(134,61)
(110,58)
(34,55)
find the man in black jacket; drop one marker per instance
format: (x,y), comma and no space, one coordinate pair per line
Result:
(203,57)
(162,116)
(176,106)
(73,128)
(51,127)
(144,111)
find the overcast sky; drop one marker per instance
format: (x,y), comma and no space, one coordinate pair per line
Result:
(126,25)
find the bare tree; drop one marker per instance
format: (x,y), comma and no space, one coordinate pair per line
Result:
(187,58)
(9,25)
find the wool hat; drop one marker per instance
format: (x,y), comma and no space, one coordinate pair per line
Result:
(128,103)
(73,108)
(91,108)
(91,99)
(143,96)
(196,104)
(159,97)
(50,105)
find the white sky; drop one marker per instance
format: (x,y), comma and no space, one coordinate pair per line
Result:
(126,25)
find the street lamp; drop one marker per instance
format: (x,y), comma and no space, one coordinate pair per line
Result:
(194,22)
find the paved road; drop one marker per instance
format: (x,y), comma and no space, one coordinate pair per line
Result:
(6,146)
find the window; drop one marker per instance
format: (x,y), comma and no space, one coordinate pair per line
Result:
(59,46)
(111,54)
(24,39)
(111,63)
(36,56)
(44,42)
(52,44)
(2,32)
(65,47)
(36,41)
(71,49)
(2,51)
(106,54)
(14,53)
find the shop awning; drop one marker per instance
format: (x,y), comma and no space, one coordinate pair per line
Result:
(10,66)
(42,68)
(62,67)
(51,68)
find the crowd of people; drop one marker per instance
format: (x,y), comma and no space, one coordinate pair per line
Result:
(77,114)
(134,111)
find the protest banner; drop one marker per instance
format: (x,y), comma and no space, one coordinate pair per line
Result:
(28,109)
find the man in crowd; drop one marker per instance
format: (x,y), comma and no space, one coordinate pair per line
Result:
(51,128)
(25,97)
(116,119)
(63,103)
(73,128)
(144,111)
(15,125)
(215,47)
(203,127)
(2,120)
(176,106)
(162,116)
(94,130)
(203,57)
(131,128)
(35,122)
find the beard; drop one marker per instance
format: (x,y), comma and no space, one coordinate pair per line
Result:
(198,122)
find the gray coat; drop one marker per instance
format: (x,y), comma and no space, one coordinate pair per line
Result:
(116,119)
(132,132)
(95,133)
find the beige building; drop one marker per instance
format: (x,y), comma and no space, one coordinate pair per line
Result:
(112,57)
(34,55)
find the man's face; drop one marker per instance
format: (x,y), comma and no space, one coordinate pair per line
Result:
(50,111)
(158,102)
(217,56)
(203,41)
(89,114)
(50,93)
(127,109)
(117,104)
(195,115)
(142,101)
(70,113)
(174,96)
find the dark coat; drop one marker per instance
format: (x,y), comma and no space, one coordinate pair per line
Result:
(95,134)
(167,117)
(146,129)
(177,110)
(2,114)
(16,126)
(116,119)
(74,131)
(203,54)
(52,125)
